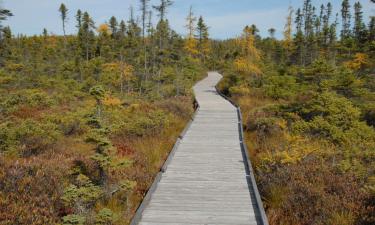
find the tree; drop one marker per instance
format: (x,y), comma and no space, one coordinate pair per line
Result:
(246,64)
(191,42)
(162,8)
(86,34)
(272,32)
(79,19)
(359,29)
(4,14)
(113,25)
(371,29)
(203,38)
(144,11)
(98,93)
(63,14)
(346,16)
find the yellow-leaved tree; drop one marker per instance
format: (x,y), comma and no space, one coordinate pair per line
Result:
(247,63)
(191,44)
(119,74)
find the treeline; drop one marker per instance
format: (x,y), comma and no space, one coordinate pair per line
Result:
(87,119)
(309,104)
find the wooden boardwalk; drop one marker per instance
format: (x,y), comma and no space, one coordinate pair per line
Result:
(205,182)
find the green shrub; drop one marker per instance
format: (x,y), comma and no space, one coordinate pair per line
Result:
(105,217)
(280,87)
(74,220)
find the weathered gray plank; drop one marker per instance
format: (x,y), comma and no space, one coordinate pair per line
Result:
(205,182)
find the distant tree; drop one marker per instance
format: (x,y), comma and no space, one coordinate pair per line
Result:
(272,32)
(63,14)
(162,8)
(86,34)
(45,32)
(346,16)
(4,14)
(203,38)
(359,29)
(113,25)
(144,11)
(371,29)
(79,19)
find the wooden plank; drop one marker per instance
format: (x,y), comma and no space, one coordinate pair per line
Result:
(205,181)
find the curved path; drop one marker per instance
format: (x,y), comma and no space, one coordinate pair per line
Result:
(205,182)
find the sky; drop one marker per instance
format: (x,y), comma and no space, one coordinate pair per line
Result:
(226,18)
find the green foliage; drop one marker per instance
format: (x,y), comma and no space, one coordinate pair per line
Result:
(280,87)
(74,220)
(105,217)
(84,194)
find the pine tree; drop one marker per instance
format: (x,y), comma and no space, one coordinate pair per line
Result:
(299,37)
(326,24)
(63,14)
(113,25)
(162,8)
(346,16)
(4,14)
(144,11)
(86,34)
(162,26)
(371,30)
(359,29)
(79,19)
(203,38)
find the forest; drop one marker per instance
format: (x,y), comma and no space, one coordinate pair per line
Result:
(87,119)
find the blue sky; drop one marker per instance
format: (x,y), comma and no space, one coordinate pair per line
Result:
(226,18)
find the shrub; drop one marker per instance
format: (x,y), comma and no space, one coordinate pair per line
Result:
(280,87)
(74,220)
(105,217)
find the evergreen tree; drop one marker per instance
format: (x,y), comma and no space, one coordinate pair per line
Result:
(4,14)
(371,29)
(203,38)
(299,37)
(346,16)
(79,19)
(272,32)
(144,11)
(86,34)
(359,29)
(162,8)
(63,14)
(113,25)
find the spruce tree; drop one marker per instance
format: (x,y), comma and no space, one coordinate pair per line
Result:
(113,25)
(63,14)
(371,30)
(359,29)
(79,19)
(346,16)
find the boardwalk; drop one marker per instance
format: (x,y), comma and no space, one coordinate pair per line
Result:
(205,182)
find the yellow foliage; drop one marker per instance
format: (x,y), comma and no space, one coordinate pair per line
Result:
(360,61)
(247,42)
(191,46)
(111,101)
(104,29)
(245,66)
(250,55)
